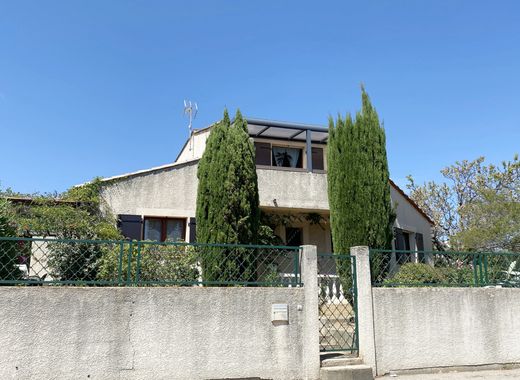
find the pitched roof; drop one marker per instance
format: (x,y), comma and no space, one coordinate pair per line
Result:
(146,171)
(38,200)
(411,201)
(154,169)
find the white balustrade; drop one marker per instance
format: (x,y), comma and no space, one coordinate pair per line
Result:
(331,289)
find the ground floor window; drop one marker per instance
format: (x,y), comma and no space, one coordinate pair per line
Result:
(402,243)
(164,229)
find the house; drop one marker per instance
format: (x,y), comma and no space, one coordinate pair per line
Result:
(159,203)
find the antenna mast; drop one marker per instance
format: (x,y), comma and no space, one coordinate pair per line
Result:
(190,109)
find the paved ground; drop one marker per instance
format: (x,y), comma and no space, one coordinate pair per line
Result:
(474,375)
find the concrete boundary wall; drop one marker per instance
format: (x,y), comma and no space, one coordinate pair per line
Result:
(403,329)
(151,333)
(445,327)
(51,332)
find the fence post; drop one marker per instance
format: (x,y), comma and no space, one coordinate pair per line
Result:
(138,264)
(311,323)
(480,270)
(365,307)
(486,277)
(120,263)
(129,265)
(296,263)
(475,270)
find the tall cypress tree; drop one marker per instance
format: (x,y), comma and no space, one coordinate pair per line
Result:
(227,201)
(358,181)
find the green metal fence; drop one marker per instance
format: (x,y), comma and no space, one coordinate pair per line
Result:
(46,261)
(337,302)
(444,268)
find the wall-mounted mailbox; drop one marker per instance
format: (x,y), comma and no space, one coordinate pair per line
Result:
(280,312)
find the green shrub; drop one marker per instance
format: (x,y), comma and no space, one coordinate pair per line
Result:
(9,250)
(272,276)
(416,274)
(224,264)
(70,261)
(157,262)
(457,276)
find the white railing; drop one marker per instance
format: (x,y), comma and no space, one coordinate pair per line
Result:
(288,278)
(331,289)
(329,286)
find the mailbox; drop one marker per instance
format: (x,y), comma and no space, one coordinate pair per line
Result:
(280,312)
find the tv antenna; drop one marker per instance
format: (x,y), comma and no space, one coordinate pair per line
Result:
(190,109)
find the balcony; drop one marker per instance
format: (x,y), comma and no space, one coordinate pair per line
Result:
(295,189)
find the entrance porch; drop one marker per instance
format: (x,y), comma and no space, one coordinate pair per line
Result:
(302,228)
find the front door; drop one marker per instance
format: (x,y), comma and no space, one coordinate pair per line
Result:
(293,236)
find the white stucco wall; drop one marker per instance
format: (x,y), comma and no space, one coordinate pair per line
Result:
(442,327)
(319,235)
(308,192)
(292,189)
(167,192)
(155,333)
(194,147)
(409,219)
(172,191)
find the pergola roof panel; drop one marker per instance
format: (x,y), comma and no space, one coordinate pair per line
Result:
(286,131)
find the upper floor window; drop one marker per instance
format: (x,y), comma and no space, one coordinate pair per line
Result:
(164,229)
(286,156)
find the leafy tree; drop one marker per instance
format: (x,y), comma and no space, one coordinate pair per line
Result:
(227,200)
(266,231)
(358,184)
(7,227)
(75,214)
(8,249)
(492,223)
(476,207)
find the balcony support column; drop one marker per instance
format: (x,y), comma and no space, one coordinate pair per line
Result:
(308,149)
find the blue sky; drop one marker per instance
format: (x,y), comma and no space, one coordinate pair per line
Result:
(95,88)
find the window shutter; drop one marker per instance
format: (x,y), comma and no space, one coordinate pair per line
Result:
(399,240)
(317,159)
(131,226)
(193,230)
(263,153)
(419,241)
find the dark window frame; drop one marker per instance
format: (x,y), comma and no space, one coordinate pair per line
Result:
(263,153)
(131,226)
(318,151)
(164,222)
(402,243)
(299,162)
(419,246)
(288,239)
(318,158)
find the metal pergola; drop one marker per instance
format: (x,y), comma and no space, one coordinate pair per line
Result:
(290,132)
